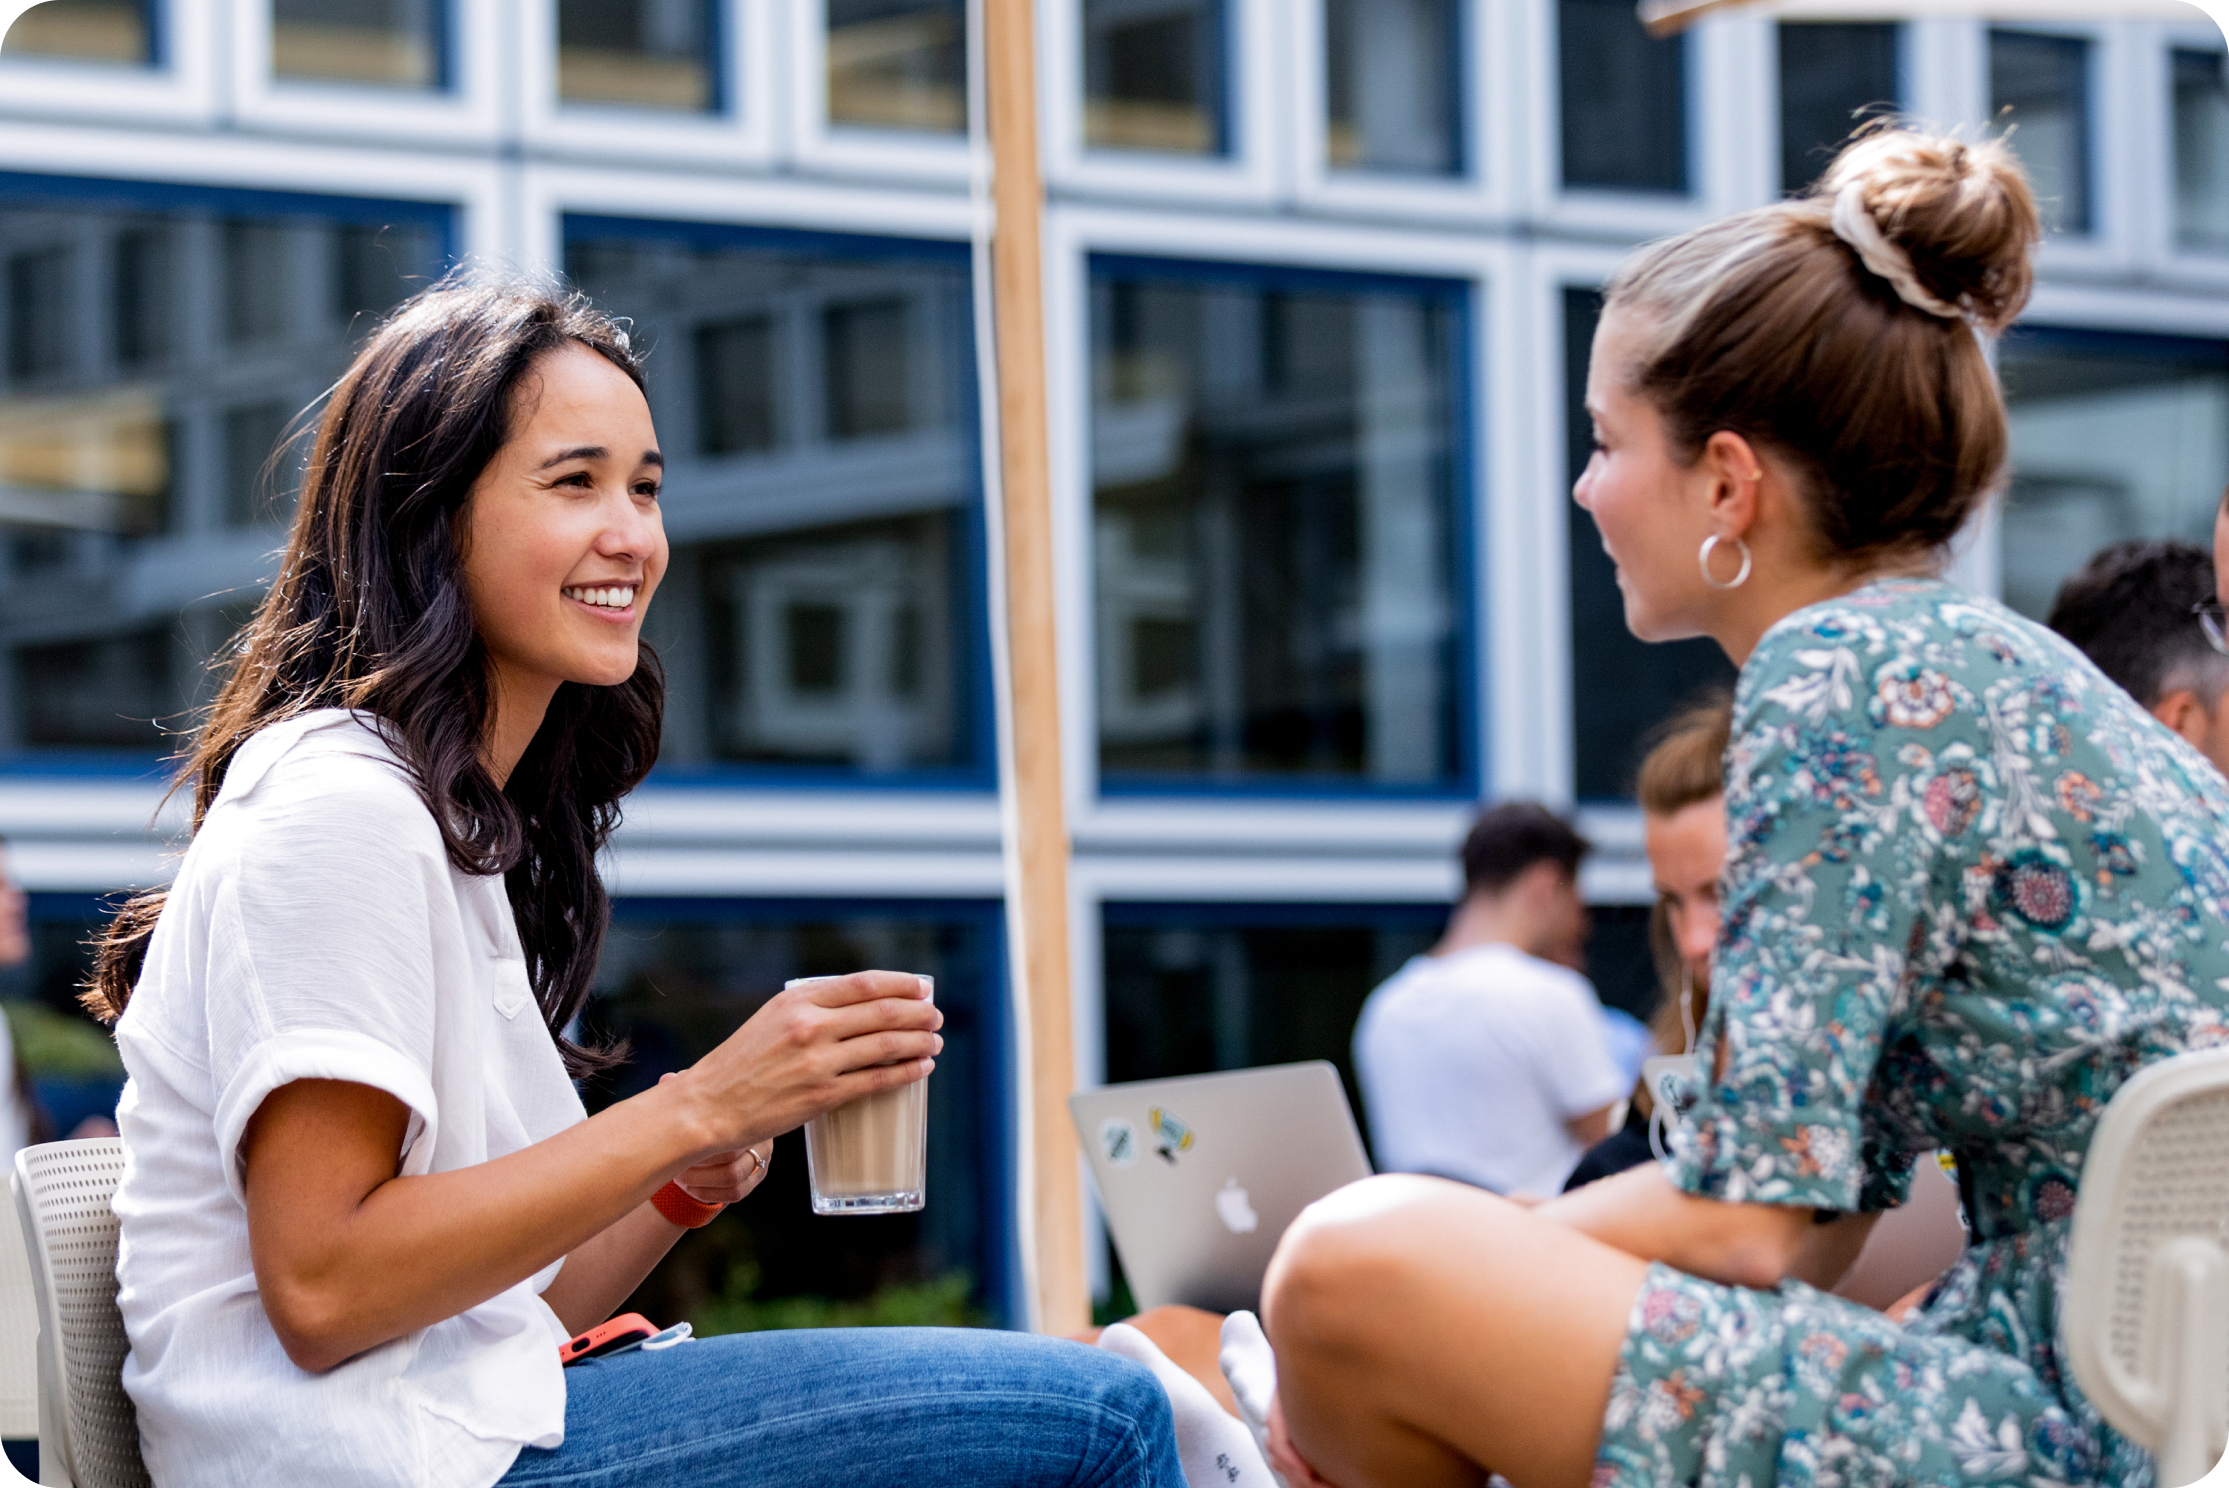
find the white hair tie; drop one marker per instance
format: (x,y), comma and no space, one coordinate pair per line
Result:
(1854,224)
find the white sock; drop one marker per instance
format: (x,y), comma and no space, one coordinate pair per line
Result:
(1216,1449)
(1252,1371)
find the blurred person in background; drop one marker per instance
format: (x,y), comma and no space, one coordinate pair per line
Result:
(21,1121)
(1683,816)
(1484,1059)
(2134,609)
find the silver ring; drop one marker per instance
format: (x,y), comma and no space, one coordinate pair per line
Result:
(758,1160)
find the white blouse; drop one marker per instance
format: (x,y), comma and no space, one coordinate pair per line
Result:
(318,931)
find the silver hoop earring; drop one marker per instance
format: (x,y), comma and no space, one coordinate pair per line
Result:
(1710,543)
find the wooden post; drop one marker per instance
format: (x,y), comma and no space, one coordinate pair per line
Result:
(1039,816)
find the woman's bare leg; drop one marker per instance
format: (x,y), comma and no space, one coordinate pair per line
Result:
(1426,1332)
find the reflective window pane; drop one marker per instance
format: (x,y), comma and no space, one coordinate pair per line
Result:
(1392,85)
(1275,464)
(1624,100)
(2202,149)
(158,342)
(1153,76)
(1192,988)
(2044,81)
(678,976)
(655,54)
(1621,687)
(120,31)
(1832,77)
(2113,437)
(814,397)
(392,43)
(898,64)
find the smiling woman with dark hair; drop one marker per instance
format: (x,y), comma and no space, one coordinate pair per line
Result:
(362,1205)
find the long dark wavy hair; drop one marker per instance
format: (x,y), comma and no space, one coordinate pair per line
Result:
(369,613)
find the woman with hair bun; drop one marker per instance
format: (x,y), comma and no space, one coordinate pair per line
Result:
(1970,889)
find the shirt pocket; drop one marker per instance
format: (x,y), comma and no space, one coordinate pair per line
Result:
(513,990)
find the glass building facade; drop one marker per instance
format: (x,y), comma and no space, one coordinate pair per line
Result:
(160,344)
(1316,351)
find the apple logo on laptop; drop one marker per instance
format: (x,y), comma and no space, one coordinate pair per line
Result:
(1235,1209)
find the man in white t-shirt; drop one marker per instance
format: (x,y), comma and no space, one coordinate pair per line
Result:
(1484,1059)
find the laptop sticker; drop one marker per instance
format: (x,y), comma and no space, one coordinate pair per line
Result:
(1118,1139)
(1174,1134)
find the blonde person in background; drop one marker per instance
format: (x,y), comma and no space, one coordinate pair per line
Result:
(1681,789)
(1970,888)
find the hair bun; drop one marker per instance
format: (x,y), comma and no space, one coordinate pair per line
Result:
(1963,213)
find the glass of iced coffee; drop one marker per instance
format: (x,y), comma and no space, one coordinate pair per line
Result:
(872,1155)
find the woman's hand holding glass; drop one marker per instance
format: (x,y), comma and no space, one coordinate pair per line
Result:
(811,1048)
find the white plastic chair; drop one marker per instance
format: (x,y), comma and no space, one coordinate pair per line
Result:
(88,1432)
(2146,1315)
(19,1343)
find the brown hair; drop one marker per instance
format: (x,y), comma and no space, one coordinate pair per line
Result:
(1685,766)
(369,613)
(1769,325)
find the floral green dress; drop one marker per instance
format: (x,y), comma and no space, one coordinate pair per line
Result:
(1971,887)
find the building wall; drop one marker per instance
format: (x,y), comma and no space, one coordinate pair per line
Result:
(1316,282)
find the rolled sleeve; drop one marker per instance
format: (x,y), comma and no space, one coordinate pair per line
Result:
(324,1054)
(321,962)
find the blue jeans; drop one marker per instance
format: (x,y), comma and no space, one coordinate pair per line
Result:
(861,1408)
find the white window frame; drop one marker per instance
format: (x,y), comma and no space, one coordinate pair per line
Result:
(2204,271)
(2110,248)
(1732,144)
(180,89)
(472,188)
(739,133)
(466,108)
(1339,819)
(1255,78)
(851,149)
(1491,118)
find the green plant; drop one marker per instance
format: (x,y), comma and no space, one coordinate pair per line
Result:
(941,1303)
(57,1044)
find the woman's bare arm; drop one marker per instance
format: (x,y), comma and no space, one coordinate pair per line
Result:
(1754,1245)
(348,1255)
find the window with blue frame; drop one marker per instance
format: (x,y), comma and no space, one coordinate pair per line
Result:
(2201,149)
(121,32)
(1623,100)
(155,343)
(824,612)
(384,43)
(1621,687)
(1833,76)
(2114,436)
(1155,76)
(1279,462)
(679,975)
(648,54)
(1393,86)
(898,64)
(2039,84)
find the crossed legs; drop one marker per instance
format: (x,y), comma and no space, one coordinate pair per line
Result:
(1426,1332)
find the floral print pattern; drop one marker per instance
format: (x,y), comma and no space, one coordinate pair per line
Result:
(1971,887)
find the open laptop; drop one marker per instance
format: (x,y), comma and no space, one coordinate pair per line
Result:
(1201,1175)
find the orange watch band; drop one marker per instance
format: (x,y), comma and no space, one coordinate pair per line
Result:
(676,1205)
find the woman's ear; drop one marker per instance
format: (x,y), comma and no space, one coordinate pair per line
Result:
(1737,474)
